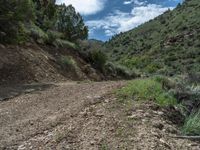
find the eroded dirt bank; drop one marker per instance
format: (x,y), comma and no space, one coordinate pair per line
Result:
(85,116)
(32,63)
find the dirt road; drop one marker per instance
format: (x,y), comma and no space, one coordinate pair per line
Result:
(84,116)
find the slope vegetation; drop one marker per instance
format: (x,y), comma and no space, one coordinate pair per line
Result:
(168,45)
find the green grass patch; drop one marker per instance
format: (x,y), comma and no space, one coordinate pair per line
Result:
(192,124)
(104,146)
(146,89)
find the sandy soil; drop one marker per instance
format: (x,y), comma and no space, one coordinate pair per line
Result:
(85,116)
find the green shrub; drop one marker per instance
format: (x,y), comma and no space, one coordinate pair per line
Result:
(152,68)
(147,89)
(117,70)
(192,124)
(68,63)
(22,36)
(166,82)
(38,34)
(136,62)
(64,43)
(53,35)
(124,72)
(98,59)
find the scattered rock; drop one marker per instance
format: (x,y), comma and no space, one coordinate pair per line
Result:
(99,113)
(160,113)
(155,107)
(92,142)
(2,46)
(21,147)
(172,130)
(194,145)
(165,143)
(31,123)
(132,116)
(158,125)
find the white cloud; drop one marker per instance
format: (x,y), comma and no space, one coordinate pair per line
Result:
(128,2)
(85,7)
(121,21)
(136,2)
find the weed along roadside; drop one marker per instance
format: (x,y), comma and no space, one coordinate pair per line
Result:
(166,92)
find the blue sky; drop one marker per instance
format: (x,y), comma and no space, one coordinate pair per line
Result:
(106,18)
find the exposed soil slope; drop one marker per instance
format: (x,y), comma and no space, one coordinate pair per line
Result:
(33,63)
(85,116)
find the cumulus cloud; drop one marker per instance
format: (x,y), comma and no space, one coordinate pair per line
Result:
(85,7)
(122,21)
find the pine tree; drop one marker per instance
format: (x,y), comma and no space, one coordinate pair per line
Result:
(71,23)
(12,14)
(46,13)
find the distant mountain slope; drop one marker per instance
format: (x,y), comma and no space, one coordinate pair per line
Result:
(169,44)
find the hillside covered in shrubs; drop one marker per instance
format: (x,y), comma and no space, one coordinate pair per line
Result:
(168,44)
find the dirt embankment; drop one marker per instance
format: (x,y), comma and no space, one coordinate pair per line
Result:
(85,116)
(33,63)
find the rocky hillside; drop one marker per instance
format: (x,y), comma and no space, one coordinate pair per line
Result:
(168,45)
(34,63)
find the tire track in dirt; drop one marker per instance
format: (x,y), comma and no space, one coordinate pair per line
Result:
(26,116)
